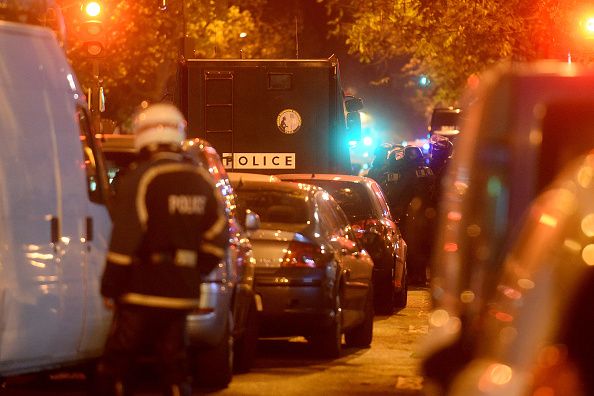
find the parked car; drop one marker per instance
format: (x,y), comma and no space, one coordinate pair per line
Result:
(223,333)
(236,177)
(362,200)
(314,278)
(523,123)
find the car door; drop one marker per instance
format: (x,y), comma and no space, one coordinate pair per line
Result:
(395,234)
(355,263)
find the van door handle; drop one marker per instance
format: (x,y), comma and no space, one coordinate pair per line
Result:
(89,224)
(55,229)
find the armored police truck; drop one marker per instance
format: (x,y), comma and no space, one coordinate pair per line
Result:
(271,115)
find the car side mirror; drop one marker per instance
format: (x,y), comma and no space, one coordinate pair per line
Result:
(252,220)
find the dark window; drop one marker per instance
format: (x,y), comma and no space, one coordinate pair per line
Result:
(218,88)
(353,198)
(273,206)
(381,200)
(96,182)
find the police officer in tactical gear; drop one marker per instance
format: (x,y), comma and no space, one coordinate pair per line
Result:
(409,190)
(169,230)
(380,162)
(441,151)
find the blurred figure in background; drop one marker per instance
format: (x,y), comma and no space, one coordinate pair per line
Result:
(379,165)
(409,190)
(441,150)
(395,187)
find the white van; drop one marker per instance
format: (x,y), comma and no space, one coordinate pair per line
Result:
(54,224)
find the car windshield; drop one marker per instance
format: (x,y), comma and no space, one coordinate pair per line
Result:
(352,197)
(274,206)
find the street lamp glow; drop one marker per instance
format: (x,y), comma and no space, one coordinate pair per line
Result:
(589,25)
(365,118)
(93,8)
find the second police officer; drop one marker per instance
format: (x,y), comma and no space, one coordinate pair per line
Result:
(409,190)
(379,166)
(169,230)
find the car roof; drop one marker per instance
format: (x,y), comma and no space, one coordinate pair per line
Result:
(325,176)
(122,143)
(236,177)
(276,186)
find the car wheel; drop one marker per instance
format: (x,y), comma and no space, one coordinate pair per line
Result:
(328,341)
(246,345)
(213,367)
(385,300)
(402,296)
(361,335)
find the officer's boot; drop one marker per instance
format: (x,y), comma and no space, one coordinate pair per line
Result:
(182,389)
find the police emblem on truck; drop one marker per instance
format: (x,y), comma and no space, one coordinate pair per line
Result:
(288,121)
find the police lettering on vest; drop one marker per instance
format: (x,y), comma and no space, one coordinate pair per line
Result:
(186,204)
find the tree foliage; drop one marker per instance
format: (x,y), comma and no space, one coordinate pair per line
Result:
(451,40)
(144,43)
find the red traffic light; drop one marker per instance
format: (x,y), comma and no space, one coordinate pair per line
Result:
(93,38)
(91,29)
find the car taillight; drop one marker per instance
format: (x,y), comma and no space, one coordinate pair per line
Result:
(301,254)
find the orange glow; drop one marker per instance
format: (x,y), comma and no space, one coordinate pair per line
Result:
(504,317)
(495,375)
(450,247)
(589,25)
(548,220)
(454,216)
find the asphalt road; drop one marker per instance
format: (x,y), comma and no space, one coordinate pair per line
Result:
(289,367)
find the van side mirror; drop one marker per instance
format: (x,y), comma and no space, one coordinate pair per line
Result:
(353,104)
(252,220)
(353,121)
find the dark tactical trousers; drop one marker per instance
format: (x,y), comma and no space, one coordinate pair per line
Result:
(136,331)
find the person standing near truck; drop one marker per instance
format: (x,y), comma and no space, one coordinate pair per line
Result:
(379,166)
(169,230)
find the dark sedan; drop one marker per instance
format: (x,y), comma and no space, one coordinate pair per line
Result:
(362,200)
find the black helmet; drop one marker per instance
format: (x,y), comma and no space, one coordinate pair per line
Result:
(441,148)
(413,156)
(396,157)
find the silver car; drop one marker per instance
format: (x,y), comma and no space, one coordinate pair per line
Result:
(314,278)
